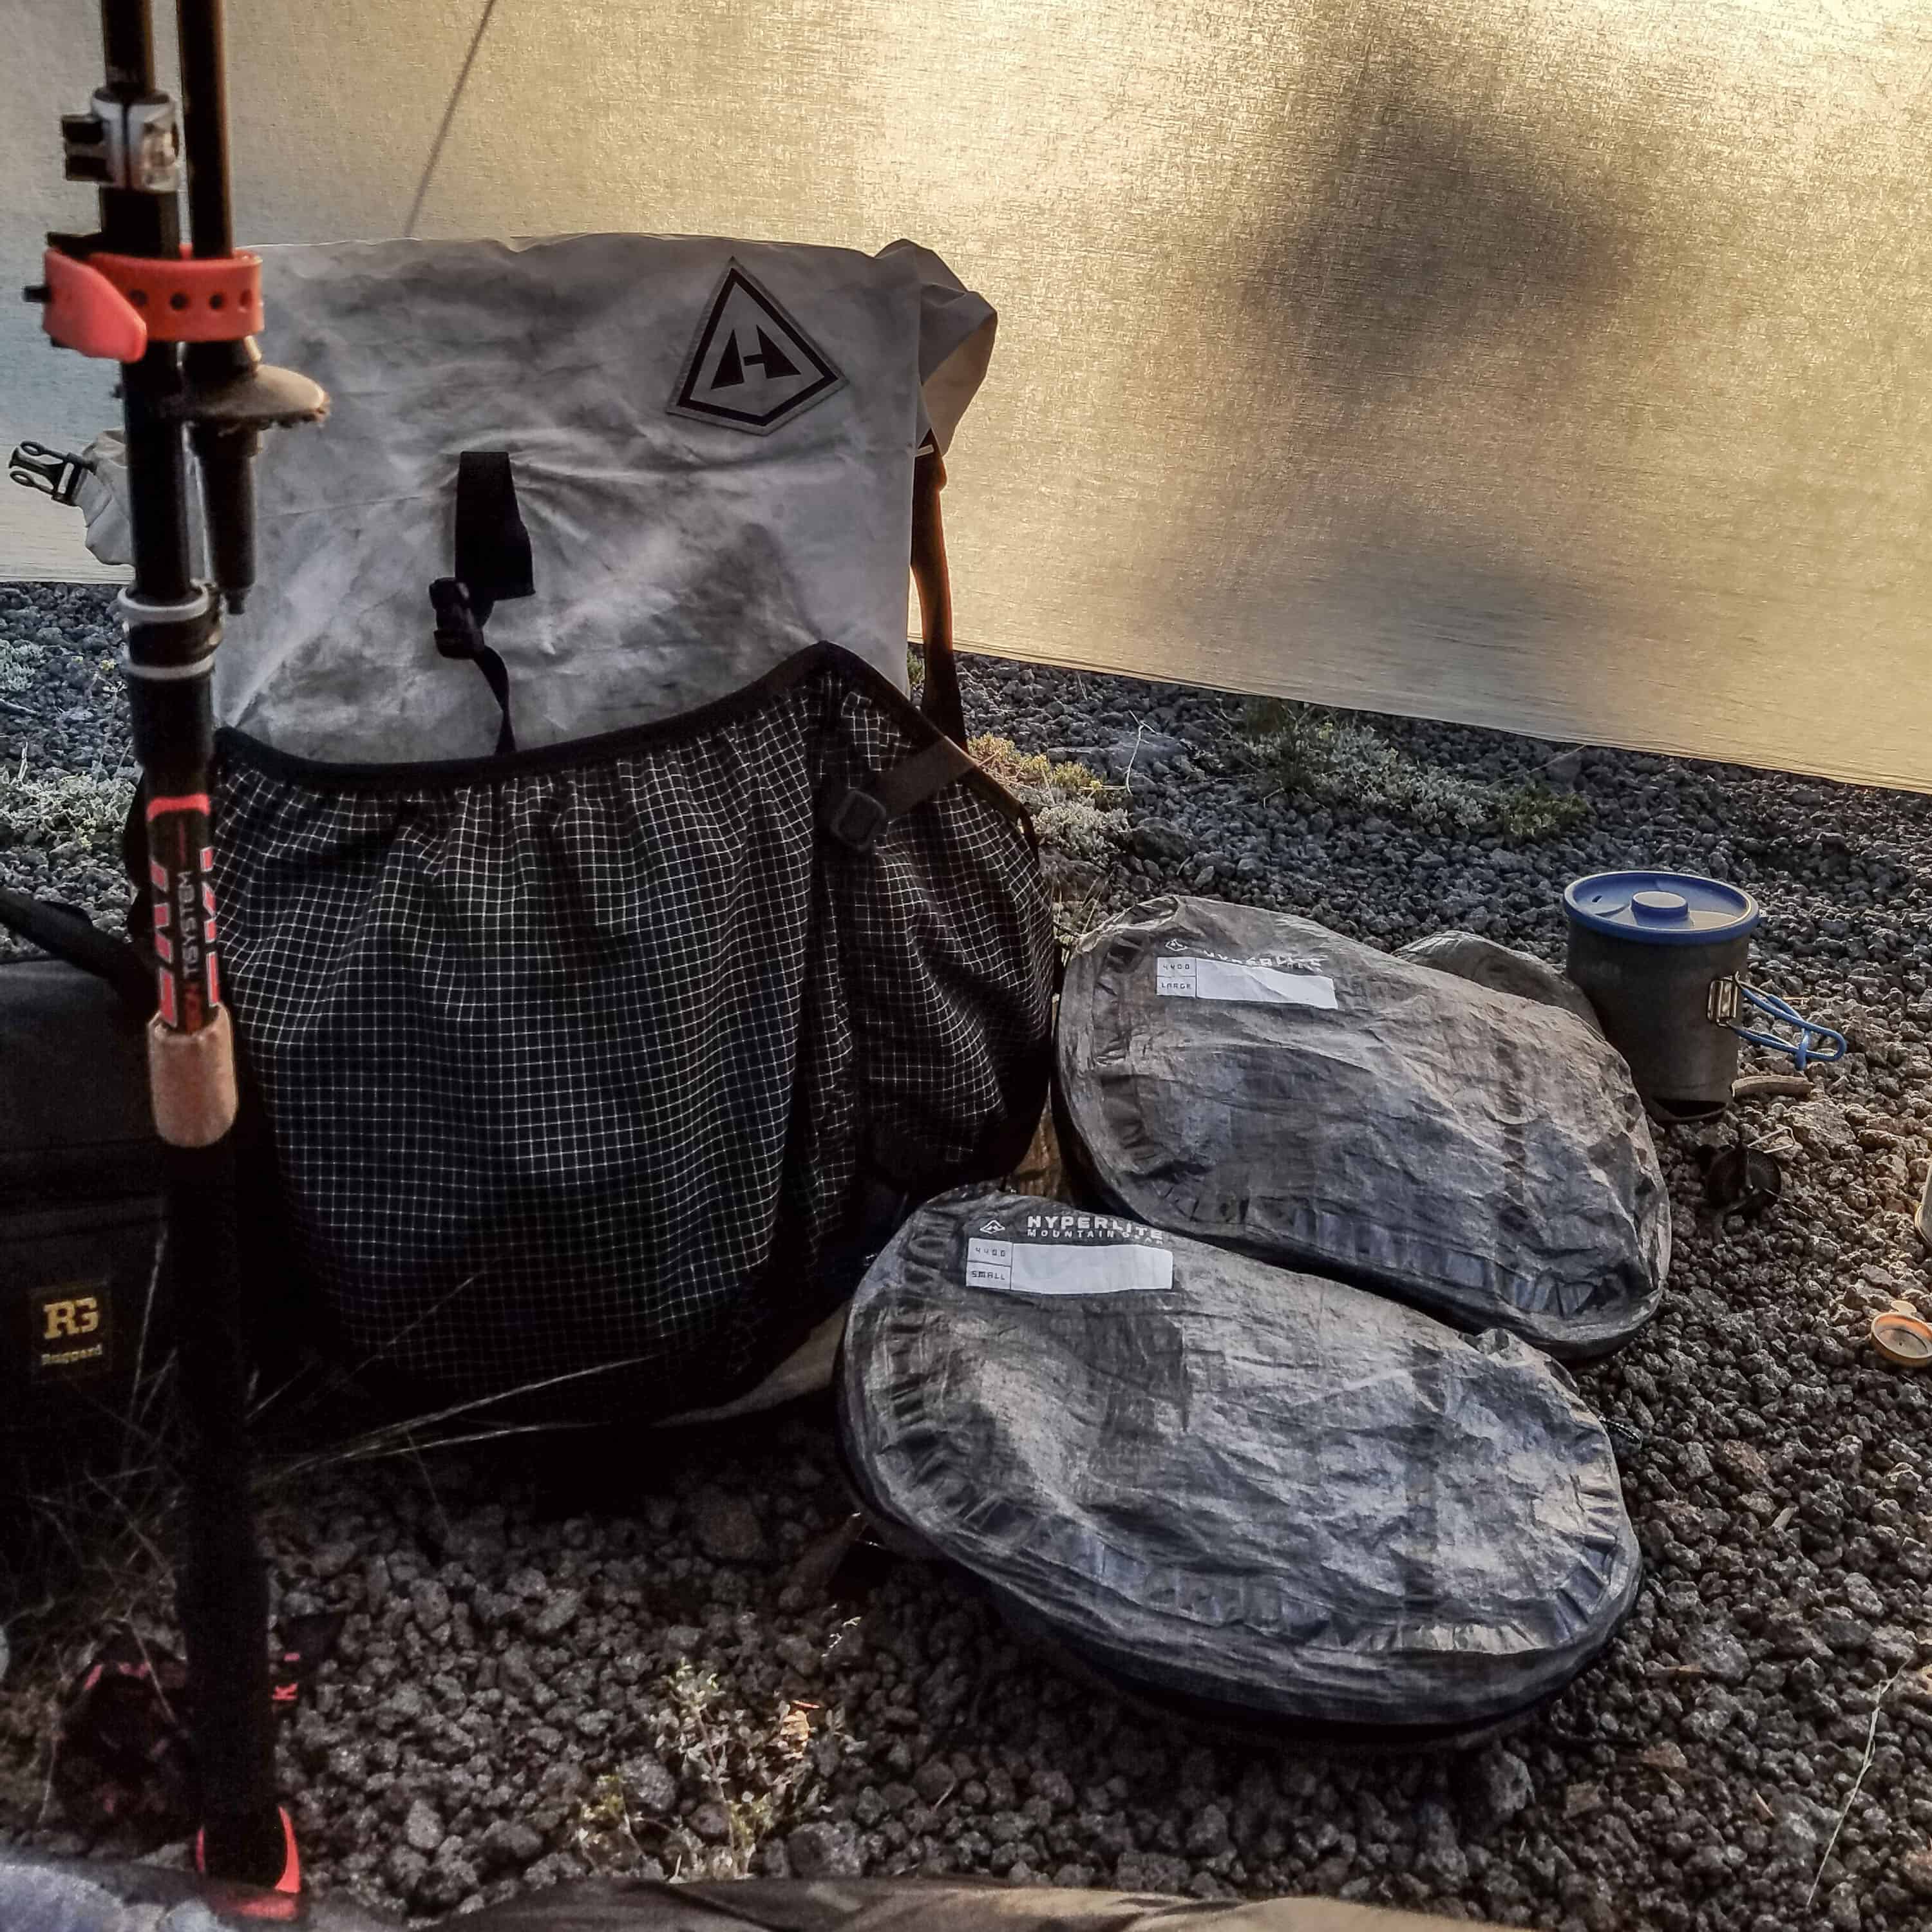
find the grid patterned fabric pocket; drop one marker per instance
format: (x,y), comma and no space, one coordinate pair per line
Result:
(577,1061)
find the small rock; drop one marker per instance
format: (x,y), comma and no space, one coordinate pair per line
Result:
(429,1603)
(558,1614)
(510,1841)
(1719,1653)
(1717,1711)
(1151,1872)
(1791,1636)
(404,1868)
(1153,838)
(450,1878)
(1802,1828)
(1441,1856)
(1580,1800)
(556,1868)
(1865,1601)
(824,1849)
(422,1829)
(1822,1129)
(332,1559)
(1142,753)
(1056,1788)
(1893,1645)
(1207,1832)
(933,1780)
(799,1653)
(711,1823)
(819,1562)
(1841,1630)
(1503,1786)
(649,1786)
(1742,1464)
(1914,1872)
(726,1527)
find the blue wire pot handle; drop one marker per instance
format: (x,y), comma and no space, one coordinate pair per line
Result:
(1728,997)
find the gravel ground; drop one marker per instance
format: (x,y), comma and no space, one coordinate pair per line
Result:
(628,1659)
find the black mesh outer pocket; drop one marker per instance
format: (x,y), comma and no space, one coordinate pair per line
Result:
(579,1061)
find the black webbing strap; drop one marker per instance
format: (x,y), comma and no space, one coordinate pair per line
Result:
(68,934)
(856,815)
(493,562)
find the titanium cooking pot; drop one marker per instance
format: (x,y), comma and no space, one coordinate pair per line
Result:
(1662,957)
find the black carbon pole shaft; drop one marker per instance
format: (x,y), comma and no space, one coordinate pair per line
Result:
(227,452)
(134,223)
(172,627)
(204,67)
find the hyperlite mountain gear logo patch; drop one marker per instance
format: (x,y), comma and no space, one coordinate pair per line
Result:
(752,367)
(1186,971)
(1050,1250)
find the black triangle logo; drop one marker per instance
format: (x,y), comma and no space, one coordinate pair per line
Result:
(752,367)
(773,357)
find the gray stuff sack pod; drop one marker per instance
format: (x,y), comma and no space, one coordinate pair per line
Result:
(1252,1078)
(1254,1495)
(1503,969)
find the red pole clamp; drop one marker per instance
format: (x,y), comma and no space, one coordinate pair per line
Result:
(190,301)
(84,311)
(113,306)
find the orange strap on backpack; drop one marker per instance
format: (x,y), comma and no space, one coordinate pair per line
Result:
(941,703)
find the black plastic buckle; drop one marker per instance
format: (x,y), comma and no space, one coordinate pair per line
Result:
(458,634)
(51,471)
(856,819)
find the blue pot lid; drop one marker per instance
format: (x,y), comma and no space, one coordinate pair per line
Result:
(1662,908)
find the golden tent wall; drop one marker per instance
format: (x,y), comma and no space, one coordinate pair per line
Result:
(1556,364)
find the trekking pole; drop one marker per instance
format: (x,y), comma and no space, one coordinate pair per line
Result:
(181,322)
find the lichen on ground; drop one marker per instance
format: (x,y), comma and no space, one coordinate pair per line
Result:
(1073,810)
(1329,756)
(67,812)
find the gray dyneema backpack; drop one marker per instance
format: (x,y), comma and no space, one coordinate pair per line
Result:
(607,1009)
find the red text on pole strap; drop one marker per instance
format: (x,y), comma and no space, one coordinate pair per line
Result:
(180,859)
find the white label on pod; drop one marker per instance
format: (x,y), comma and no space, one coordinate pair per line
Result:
(1192,979)
(1076,1264)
